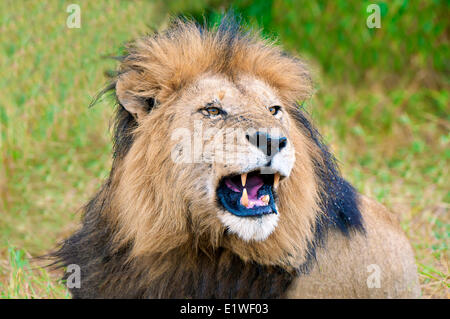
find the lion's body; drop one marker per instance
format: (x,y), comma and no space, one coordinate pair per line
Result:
(162,228)
(340,270)
(346,267)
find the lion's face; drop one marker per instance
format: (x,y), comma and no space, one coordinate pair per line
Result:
(218,158)
(234,139)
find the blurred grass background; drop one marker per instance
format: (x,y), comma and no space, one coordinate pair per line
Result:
(382,103)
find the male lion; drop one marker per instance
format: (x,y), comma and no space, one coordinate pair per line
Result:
(274,220)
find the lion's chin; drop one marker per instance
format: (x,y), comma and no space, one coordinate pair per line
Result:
(256,228)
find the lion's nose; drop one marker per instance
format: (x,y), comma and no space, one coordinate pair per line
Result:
(267,144)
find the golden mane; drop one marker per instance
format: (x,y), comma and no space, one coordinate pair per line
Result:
(159,67)
(143,221)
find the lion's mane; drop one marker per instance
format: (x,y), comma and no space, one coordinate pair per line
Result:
(144,253)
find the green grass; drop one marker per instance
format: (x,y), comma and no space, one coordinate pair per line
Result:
(26,280)
(381,103)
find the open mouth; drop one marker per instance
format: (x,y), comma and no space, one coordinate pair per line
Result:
(249,194)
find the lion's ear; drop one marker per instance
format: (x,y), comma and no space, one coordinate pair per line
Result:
(131,98)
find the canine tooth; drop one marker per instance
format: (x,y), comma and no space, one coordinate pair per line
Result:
(276,180)
(244,198)
(265,199)
(244,179)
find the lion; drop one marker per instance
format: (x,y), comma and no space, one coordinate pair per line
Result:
(276,220)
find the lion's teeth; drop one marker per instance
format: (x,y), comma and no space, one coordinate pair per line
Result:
(244,179)
(244,198)
(265,199)
(276,180)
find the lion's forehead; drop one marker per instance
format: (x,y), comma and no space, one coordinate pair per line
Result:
(243,92)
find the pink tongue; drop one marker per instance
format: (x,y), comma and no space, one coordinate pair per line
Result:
(252,185)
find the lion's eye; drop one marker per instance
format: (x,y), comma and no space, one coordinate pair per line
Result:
(212,111)
(274,109)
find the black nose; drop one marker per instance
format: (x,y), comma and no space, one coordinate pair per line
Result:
(268,145)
